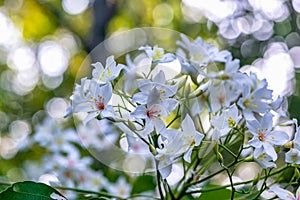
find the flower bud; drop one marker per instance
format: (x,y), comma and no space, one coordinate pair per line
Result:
(249,158)
(289,145)
(296,174)
(218,154)
(131,125)
(152,149)
(219,157)
(256,179)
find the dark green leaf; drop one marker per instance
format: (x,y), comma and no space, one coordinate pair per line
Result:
(188,197)
(28,190)
(3,187)
(217,194)
(143,183)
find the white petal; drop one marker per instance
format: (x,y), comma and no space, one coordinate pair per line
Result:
(153,97)
(89,117)
(110,62)
(281,193)
(140,97)
(165,171)
(160,77)
(187,155)
(267,121)
(188,125)
(269,149)
(106,92)
(108,112)
(171,104)
(253,126)
(139,112)
(277,137)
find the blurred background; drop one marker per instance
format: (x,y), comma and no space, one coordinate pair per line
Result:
(44,42)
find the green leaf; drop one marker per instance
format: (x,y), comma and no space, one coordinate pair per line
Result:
(294,106)
(216,194)
(188,197)
(143,183)
(28,190)
(3,187)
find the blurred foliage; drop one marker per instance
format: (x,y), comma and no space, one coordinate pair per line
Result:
(158,13)
(294,99)
(38,21)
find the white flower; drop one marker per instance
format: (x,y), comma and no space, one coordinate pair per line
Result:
(110,72)
(97,134)
(293,155)
(172,147)
(137,146)
(264,138)
(158,54)
(223,123)
(230,79)
(219,97)
(174,143)
(197,54)
(121,188)
(50,134)
(191,137)
(297,136)
(156,92)
(152,115)
(91,180)
(255,101)
(93,100)
(265,161)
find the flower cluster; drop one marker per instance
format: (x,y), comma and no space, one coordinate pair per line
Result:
(165,117)
(65,165)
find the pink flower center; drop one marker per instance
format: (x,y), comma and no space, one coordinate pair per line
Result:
(100,105)
(151,113)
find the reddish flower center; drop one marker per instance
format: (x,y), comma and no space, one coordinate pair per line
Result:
(68,174)
(100,105)
(82,179)
(261,136)
(151,113)
(222,99)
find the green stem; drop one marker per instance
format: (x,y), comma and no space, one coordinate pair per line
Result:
(169,189)
(228,150)
(158,182)
(183,191)
(212,175)
(200,123)
(103,194)
(143,195)
(263,186)
(126,97)
(195,163)
(239,183)
(143,139)
(231,181)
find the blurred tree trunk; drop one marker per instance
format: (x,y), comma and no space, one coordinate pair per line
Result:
(103,11)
